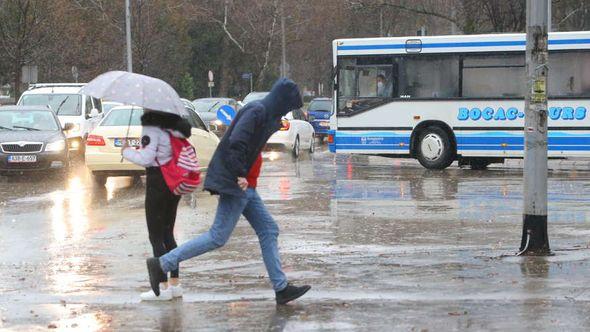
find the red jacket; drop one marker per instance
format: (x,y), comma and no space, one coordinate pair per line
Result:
(252,176)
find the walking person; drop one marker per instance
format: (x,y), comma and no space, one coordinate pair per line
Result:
(233,173)
(160,203)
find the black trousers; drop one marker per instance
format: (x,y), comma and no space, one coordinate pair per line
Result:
(160,212)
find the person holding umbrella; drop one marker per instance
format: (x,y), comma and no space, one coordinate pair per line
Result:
(161,119)
(233,172)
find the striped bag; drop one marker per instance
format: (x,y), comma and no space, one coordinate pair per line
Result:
(182,173)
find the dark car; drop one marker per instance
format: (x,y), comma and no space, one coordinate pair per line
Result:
(318,114)
(31,139)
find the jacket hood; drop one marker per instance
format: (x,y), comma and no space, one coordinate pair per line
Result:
(283,98)
(178,126)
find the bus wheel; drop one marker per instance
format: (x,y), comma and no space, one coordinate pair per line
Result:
(435,150)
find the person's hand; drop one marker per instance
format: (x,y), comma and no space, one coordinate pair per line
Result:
(124,146)
(243,183)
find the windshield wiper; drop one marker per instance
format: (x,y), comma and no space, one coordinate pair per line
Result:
(61,104)
(210,108)
(6,128)
(27,128)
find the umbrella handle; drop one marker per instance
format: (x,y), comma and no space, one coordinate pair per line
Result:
(128,127)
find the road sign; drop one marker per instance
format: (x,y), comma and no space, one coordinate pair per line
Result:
(210,76)
(210,84)
(226,114)
(246,76)
(29,74)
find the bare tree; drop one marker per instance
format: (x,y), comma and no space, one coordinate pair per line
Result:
(21,33)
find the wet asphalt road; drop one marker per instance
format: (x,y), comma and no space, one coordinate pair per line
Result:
(386,245)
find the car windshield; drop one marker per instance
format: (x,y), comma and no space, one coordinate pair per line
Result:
(208,105)
(61,104)
(320,105)
(28,120)
(107,106)
(254,96)
(120,117)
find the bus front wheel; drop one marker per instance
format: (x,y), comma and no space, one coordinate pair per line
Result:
(434,149)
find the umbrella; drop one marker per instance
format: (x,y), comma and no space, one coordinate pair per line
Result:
(136,90)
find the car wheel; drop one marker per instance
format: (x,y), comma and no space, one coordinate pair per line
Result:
(99,179)
(312,144)
(296,148)
(435,150)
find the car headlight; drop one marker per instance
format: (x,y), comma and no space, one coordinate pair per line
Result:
(325,124)
(55,146)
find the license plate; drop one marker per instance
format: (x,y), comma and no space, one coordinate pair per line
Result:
(22,159)
(133,142)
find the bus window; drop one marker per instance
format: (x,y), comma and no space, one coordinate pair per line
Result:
(569,74)
(365,83)
(429,76)
(493,76)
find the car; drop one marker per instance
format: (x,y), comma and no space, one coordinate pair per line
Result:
(84,112)
(295,134)
(253,96)
(32,139)
(109,105)
(207,109)
(318,114)
(103,147)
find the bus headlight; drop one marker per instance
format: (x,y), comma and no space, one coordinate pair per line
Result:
(56,146)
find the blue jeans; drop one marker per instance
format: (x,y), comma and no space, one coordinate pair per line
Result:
(228,213)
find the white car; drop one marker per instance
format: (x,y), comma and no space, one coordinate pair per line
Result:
(83,112)
(103,150)
(295,135)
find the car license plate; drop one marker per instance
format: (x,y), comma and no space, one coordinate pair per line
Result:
(133,142)
(22,159)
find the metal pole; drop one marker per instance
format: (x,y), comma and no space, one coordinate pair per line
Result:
(250,82)
(128,33)
(283,47)
(535,240)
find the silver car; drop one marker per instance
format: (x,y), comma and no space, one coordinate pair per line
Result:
(207,109)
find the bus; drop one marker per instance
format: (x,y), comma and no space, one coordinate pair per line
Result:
(441,99)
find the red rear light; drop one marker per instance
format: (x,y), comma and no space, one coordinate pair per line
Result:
(286,125)
(331,139)
(95,140)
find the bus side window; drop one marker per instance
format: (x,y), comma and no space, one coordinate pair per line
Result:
(569,74)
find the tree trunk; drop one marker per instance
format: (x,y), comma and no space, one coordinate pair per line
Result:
(17,79)
(225,78)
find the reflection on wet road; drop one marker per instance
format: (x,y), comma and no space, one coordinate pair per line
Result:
(385,243)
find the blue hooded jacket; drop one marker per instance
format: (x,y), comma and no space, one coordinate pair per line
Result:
(246,136)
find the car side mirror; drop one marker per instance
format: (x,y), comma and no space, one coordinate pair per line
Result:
(68,126)
(94,113)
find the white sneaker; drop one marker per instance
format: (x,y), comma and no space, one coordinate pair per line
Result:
(165,295)
(176,290)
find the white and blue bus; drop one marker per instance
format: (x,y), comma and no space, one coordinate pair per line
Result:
(444,98)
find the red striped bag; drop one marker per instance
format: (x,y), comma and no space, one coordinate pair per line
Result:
(181,173)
